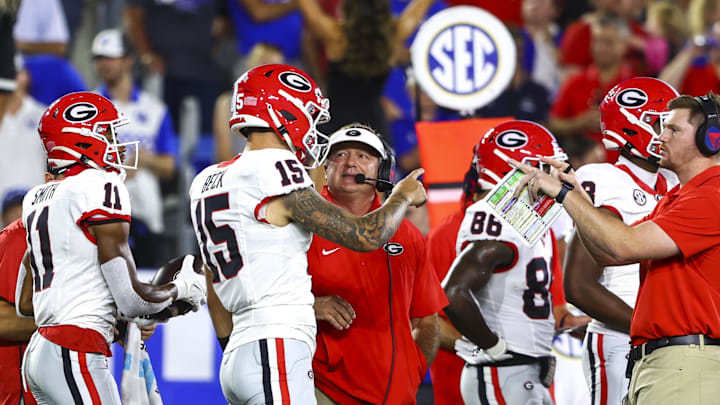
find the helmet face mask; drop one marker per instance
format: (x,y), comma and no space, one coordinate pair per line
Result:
(632,116)
(82,128)
(523,141)
(287,101)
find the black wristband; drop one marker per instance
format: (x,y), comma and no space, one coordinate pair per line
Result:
(223,342)
(560,197)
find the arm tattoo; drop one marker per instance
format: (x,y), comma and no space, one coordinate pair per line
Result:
(364,234)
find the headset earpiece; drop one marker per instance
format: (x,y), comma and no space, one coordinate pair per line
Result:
(385,168)
(707,137)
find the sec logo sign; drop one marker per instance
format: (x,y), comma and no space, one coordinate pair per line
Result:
(463,58)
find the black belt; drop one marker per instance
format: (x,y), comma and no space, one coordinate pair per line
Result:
(636,353)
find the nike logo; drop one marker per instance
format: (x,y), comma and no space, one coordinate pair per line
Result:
(331,251)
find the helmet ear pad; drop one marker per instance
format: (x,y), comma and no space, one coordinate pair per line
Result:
(707,137)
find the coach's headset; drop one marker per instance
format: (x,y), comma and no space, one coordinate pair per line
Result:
(385,169)
(707,137)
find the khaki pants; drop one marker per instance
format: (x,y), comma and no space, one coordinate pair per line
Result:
(677,375)
(323,399)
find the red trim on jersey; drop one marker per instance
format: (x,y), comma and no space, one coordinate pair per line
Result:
(496,386)
(88,218)
(515,259)
(259,205)
(284,391)
(660,184)
(82,359)
(76,338)
(603,371)
(613,209)
(229,162)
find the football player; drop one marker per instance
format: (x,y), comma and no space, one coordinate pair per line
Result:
(631,114)
(254,217)
(78,259)
(498,285)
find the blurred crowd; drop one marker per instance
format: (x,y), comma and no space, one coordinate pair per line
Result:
(169,64)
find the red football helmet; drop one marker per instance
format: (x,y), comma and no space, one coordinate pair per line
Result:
(632,114)
(81,128)
(286,100)
(524,141)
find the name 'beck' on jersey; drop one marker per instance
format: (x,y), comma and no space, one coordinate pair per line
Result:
(259,270)
(516,302)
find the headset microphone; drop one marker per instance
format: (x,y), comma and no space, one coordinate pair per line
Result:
(387,185)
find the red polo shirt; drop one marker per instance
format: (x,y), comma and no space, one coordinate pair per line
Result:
(584,91)
(352,366)
(12,250)
(680,295)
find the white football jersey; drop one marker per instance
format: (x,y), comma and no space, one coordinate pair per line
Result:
(516,303)
(629,191)
(259,270)
(69,287)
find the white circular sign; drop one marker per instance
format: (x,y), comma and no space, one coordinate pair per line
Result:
(463,58)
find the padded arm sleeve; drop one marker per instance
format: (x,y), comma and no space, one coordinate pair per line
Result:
(128,302)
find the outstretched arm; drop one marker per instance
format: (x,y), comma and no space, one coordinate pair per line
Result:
(132,296)
(363,234)
(618,242)
(469,273)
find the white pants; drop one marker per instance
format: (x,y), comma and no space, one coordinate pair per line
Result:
(512,385)
(605,359)
(268,371)
(57,375)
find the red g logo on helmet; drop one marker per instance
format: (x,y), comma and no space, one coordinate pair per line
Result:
(80,112)
(631,115)
(631,98)
(295,81)
(512,139)
(287,101)
(81,128)
(523,141)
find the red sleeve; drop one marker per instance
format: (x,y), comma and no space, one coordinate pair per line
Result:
(556,288)
(428,296)
(692,221)
(575,46)
(12,249)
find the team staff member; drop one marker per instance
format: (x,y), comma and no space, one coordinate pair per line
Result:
(15,332)
(675,329)
(385,301)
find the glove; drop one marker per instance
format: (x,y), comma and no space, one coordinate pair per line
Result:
(190,285)
(474,355)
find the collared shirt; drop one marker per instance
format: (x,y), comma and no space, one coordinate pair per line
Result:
(353,365)
(680,295)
